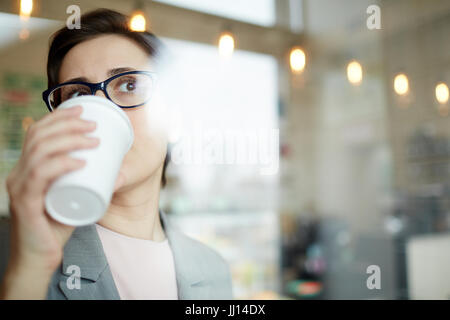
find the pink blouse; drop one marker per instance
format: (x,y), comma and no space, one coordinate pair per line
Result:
(142,269)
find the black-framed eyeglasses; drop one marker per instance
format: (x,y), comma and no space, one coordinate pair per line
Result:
(127,90)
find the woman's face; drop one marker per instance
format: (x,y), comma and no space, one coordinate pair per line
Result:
(93,59)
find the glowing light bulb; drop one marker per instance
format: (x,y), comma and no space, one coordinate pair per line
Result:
(442,93)
(354,72)
(137,22)
(226,44)
(401,84)
(26,7)
(297,60)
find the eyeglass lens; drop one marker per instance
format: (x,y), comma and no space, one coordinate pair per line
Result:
(126,91)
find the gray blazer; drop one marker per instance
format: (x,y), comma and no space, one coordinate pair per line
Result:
(201,273)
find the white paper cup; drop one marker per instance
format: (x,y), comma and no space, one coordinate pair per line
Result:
(81,197)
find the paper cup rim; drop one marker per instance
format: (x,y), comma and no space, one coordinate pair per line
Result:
(74,101)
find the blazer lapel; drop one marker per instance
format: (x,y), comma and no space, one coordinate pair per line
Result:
(191,277)
(84,250)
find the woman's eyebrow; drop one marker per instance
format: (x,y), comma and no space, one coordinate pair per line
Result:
(113,72)
(110,73)
(82,79)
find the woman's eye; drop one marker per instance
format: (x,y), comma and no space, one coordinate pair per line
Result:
(127,87)
(77,93)
(74,94)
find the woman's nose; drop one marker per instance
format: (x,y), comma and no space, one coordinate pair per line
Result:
(100,93)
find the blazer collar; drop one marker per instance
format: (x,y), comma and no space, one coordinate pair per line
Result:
(84,249)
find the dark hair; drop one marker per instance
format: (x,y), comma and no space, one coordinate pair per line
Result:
(96,23)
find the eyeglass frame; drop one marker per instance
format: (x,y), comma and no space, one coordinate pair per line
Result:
(94,87)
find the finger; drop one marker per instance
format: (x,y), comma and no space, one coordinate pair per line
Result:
(61,127)
(60,114)
(51,117)
(40,177)
(60,144)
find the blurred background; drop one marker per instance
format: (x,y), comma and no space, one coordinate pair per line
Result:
(322,132)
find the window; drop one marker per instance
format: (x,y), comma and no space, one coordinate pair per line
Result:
(231,207)
(260,12)
(213,98)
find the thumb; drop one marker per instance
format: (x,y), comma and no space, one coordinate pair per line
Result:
(120,181)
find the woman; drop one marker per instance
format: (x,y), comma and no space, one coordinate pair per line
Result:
(133,252)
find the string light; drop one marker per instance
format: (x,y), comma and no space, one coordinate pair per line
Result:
(137,21)
(297,59)
(26,7)
(401,84)
(442,93)
(354,72)
(226,44)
